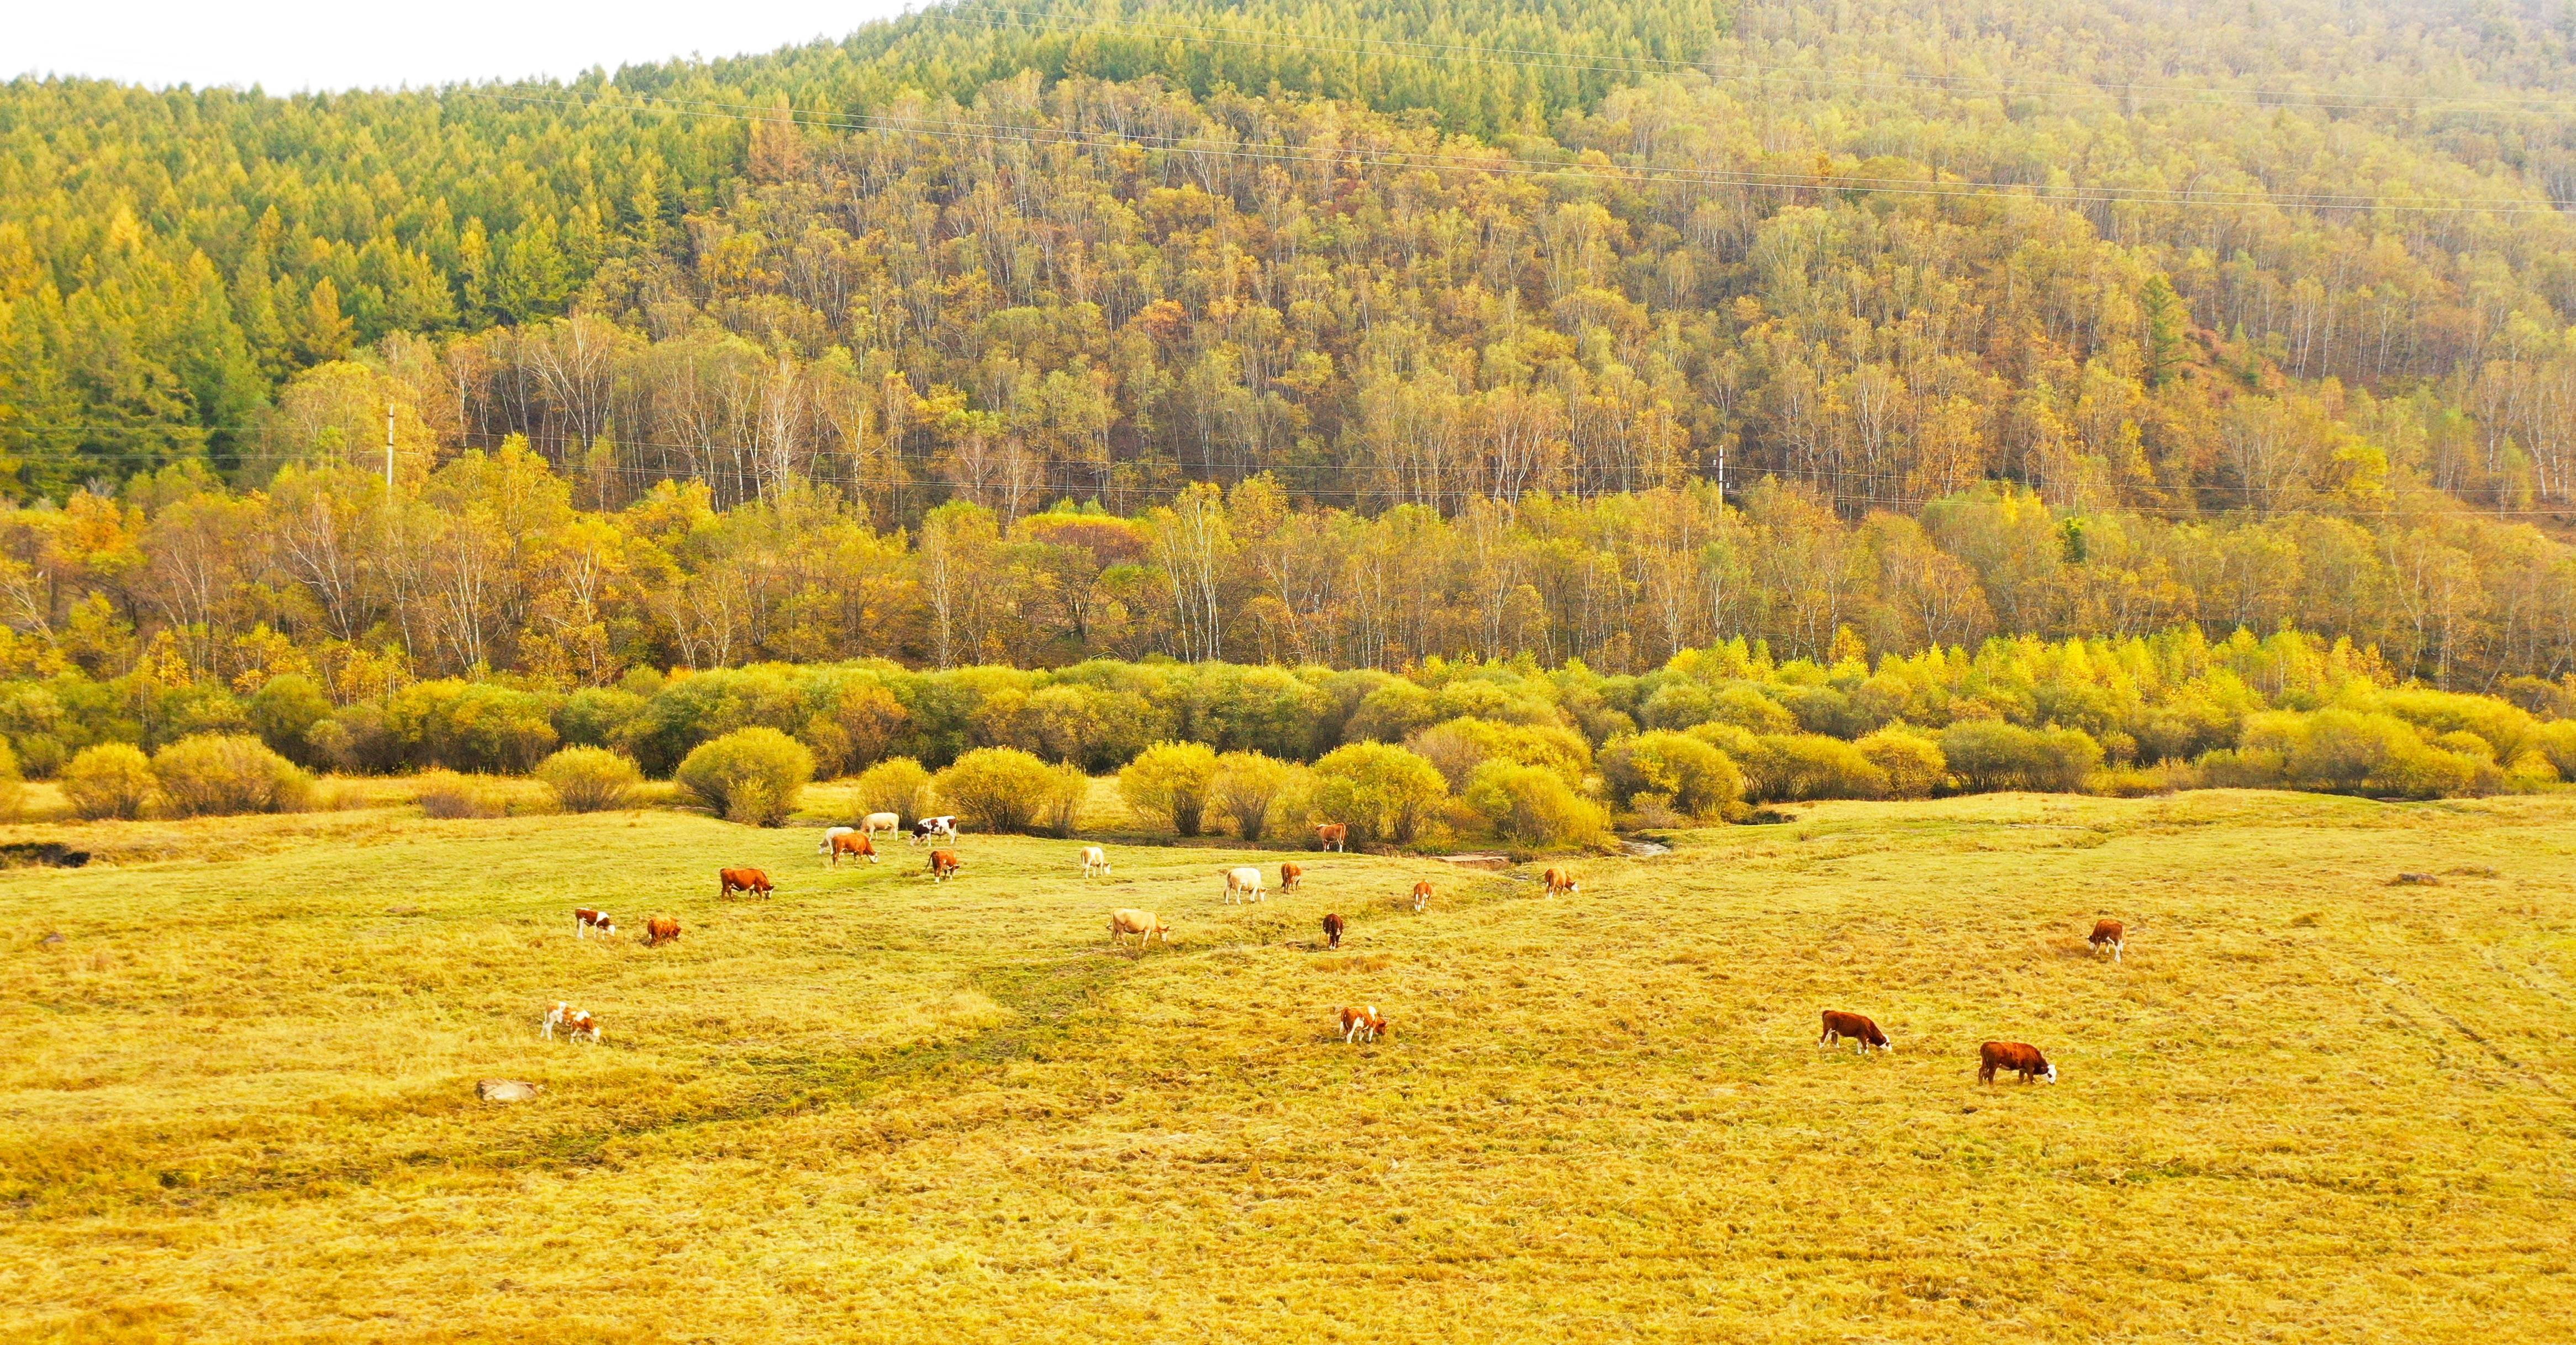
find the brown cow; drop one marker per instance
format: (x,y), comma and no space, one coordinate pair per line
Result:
(2020,1057)
(659,930)
(1332,836)
(2110,932)
(1144,925)
(730,881)
(853,843)
(1361,1024)
(584,920)
(1332,930)
(1560,883)
(943,865)
(1859,1027)
(1421,893)
(1290,875)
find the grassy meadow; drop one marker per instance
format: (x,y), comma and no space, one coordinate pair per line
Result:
(237,1096)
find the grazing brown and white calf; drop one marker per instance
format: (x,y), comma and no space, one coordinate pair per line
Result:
(2109,933)
(1291,875)
(853,844)
(577,1023)
(1095,861)
(1144,925)
(584,920)
(1362,1024)
(944,865)
(1859,1027)
(659,930)
(1332,836)
(2020,1057)
(1244,882)
(889,823)
(1560,883)
(1421,893)
(730,881)
(1332,930)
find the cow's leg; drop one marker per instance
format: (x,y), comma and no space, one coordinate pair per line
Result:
(2117,949)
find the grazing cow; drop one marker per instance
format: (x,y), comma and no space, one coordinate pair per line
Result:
(1332,931)
(584,920)
(943,828)
(2111,933)
(1095,861)
(854,844)
(2020,1057)
(1859,1027)
(1144,925)
(1421,893)
(889,823)
(1361,1024)
(943,865)
(830,835)
(1244,882)
(577,1023)
(1332,836)
(1290,875)
(1560,883)
(730,881)
(659,930)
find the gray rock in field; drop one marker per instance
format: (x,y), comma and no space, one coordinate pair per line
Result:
(507,1090)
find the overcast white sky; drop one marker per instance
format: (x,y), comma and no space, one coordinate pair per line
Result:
(287,46)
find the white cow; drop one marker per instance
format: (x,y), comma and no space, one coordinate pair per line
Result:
(1095,861)
(889,823)
(1244,882)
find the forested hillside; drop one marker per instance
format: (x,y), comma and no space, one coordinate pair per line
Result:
(1362,332)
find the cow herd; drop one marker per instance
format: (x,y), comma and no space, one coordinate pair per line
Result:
(1245,883)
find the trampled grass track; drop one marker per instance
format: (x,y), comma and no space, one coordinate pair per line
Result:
(237,1097)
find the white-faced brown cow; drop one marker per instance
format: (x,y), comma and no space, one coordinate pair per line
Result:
(1859,1027)
(1332,836)
(1291,874)
(1332,930)
(2020,1057)
(830,835)
(2109,934)
(1361,1024)
(730,881)
(659,930)
(853,844)
(1095,862)
(577,1023)
(1243,882)
(584,920)
(1421,893)
(1561,883)
(944,865)
(1144,925)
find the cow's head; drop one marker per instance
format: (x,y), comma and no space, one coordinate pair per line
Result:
(2049,1075)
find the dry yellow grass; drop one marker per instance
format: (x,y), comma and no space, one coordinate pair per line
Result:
(237,1099)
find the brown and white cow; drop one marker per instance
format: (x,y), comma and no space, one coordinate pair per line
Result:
(1421,893)
(1291,874)
(584,920)
(1857,1026)
(1361,1024)
(1144,925)
(1095,861)
(577,1023)
(1332,836)
(944,865)
(1332,930)
(1561,883)
(659,930)
(2108,933)
(854,844)
(2020,1057)
(730,881)
(1244,882)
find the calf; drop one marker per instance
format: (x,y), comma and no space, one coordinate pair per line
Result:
(2110,933)
(944,865)
(730,881)
(830,835)
(1332,836)
(854,844)
(1290,875)
(1859,1027)
(577,1023)
(1560,883)
(659,930)
(1244,882)
(1144,925)
(1095,861)
(1361,1024)
(584,920)
(943,827)
(1332,930)
(2020,1057)
(1421,893)
(889,823)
